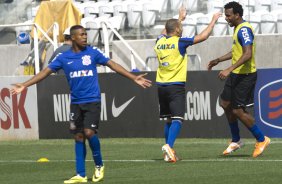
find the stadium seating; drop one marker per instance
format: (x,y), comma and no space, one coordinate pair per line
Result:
(248,5)
(215,6)
(276,5)
(279,23)
(134,12)
(161,5)
(108,9)
(220,28)
(268,23)
(263,5)
(189,26)
(92,27)
(149,13)
(202,22)
(255,21)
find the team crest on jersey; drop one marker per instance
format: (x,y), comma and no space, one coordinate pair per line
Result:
(86,60)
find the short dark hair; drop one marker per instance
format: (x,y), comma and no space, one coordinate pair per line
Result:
(74,28)
(237,8)
(171,25)
(67,37)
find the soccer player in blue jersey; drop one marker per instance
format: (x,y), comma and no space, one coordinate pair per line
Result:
(241,76)
(171,76)
(79,65)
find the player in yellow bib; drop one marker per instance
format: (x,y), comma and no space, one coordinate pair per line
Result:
(241,76)
(171,76)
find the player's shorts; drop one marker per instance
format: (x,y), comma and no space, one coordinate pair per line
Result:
(239,90)
(84,116)
(172,101)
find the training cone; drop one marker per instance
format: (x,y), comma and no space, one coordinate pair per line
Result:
(43,160)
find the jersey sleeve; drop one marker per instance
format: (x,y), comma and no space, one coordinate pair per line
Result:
(56,64)
(100,57)
(245,36)
(185,42)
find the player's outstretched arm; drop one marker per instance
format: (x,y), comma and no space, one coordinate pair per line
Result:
(140,80)
(207,31)
(19,87)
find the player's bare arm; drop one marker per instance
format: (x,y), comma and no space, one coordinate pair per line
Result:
(19,87)
(214,62)
(247,55)
(140,80)
(207,31)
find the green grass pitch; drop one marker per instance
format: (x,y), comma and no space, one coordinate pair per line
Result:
(140,161)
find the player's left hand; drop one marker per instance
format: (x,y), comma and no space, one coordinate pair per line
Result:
(224,74)
(143,82)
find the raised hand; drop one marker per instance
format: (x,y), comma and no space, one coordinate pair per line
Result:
(182,13)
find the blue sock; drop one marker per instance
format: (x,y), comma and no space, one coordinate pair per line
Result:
(257,133)
(96,150)
(80,153)
(166,131)
(234,131)
(173,132)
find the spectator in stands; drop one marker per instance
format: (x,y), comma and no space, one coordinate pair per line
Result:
(66,46)
(79,65)
(241,76)
(171,76)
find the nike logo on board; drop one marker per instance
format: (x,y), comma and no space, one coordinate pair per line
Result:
(116,111)
(219,110)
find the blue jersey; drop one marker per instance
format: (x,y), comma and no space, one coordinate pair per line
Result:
(81,72)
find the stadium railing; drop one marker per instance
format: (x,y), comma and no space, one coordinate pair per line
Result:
(36,40)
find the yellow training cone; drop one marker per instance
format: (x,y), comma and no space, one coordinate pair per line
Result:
(43,160)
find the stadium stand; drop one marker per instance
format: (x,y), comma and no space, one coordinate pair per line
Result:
(255,21)
(220,28)
(215,6)
(279,23)
(145,19)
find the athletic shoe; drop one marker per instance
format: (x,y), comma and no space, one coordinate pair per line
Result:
(167,150)
(260,146)
(166,158)
(233,146)
(77,179)
(98,173)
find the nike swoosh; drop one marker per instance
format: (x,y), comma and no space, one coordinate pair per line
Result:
(118,110)
(70,62)
(161,58)
(218,108)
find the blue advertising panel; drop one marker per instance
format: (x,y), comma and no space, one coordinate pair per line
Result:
(268,101)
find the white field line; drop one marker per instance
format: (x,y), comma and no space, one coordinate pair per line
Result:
(188,160)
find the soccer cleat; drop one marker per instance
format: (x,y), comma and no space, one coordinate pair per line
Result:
(166,158)
(77,179)
(260,146)
(233,146)
(98,174)
(169,152)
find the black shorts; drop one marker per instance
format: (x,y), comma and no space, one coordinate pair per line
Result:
(172,101)
(84,116)
(239,90)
